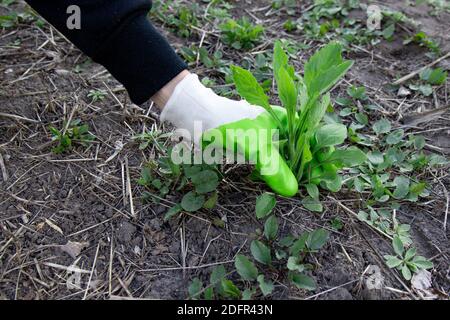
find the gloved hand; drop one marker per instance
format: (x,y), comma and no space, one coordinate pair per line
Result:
(192,104)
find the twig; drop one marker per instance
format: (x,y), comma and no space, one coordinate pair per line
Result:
(92,272)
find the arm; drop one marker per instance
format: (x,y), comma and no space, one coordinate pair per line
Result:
(118,35)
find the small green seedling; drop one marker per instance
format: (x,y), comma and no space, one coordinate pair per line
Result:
(406,261)
(73,133)
(241,33)
(309,145)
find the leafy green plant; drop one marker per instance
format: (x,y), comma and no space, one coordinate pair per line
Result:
(423,40)
(429,78)
(97,95)
(241,33)
(73,133)
(309,146)
(406,261)
(161,177)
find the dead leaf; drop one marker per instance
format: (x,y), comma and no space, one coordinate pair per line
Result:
(73,248)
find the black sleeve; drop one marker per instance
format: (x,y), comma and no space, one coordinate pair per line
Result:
(118,35)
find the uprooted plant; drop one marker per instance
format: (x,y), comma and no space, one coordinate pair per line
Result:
(307,145)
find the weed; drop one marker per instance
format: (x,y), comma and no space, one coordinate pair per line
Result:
(73,133)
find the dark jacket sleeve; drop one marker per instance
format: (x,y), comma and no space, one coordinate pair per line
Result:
(118,35)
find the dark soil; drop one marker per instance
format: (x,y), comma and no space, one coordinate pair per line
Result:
(80,198)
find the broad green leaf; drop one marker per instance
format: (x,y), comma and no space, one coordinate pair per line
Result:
(209,293)
(410,253)
(230,290)
(264,205)
(312,204)
(331,135)
(205,181)
(393,262)
(397,244)
(302,281)
(172,212)
(261,252)
(249,88)
(422,262)
(349,157)
(401,187)
(192,202)
(299,245)
(395,137)
(195,288)
(325,68)
(382,126)
(317,239)
(245,267)
(293,264)
(280,59)
(406,272)
(313,190)
(265,286)
(287,92)
(375,157)
(248,294)
(434,76)
(271,228)
(216,277)
(212,201)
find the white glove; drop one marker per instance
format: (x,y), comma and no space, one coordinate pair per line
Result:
(192,102)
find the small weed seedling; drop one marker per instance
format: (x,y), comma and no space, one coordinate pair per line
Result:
(271,255)
(97,95)
(241,33)
(74,133)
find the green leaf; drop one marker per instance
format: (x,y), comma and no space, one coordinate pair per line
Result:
(245,267)
(299,245)
(212,201)
(312,204)
(397,244)
(313,190)
(302,281)
(395,137)
(264,205)
(293,264)
(271,228)
(205,181)
(287,91)
(434,76)
(350,157)
(265,286)
(172,212)
(248,294)
(375,157)
(216,277)
(393,262)
(261,252)
(406,272)
(330,135)
(195,288)
(249,88)
(382,126)
(422,262)
(317,239)
(410,253)
(401,187)
(325,68)
(230,290)
(192,202)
